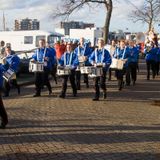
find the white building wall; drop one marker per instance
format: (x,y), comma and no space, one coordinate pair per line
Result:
(59,30)
(88,34)
(91,34)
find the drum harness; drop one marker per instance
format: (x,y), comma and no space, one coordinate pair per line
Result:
(65,59)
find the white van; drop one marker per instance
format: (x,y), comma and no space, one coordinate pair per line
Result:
(24,41)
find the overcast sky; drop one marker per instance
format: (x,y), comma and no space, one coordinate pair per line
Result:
(42,10)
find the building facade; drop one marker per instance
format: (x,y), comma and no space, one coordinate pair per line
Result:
(27,24)
(75,25)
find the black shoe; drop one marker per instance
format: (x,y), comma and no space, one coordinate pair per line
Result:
(19,91)
(95,99)
(104,95)
(120,88)
(6,95)
(3,125)
(61,96)
(87,85)
(74,94)
(134,82)
(50,92)
(36,95)
(78,88)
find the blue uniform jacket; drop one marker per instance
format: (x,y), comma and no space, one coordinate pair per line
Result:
(40,54)
(13,60)
(69,59)
(133,55)
(53,52)
(151,55)
(158,55)
(84,51)
(3,68)
(100,59)
(122,54)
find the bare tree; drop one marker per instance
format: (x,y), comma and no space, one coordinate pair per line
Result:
(67,7)
(148,13)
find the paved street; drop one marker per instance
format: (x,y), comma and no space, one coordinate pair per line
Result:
(126,126)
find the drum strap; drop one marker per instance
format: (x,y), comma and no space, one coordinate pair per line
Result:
(44,54)
(70,58)
(117,51)
(79,53)
(96,55)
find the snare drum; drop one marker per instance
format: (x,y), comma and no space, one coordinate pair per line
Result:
(9,74)
(63,71)
(85,70)
(36,67)
(95,72)
(81,64)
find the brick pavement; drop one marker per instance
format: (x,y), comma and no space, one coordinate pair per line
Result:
(126,126)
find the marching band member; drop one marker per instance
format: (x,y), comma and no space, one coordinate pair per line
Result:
(69,59)
(150,56)
(84,51)
(100,55)
(112,50)
(3,113)
(13,61)
(132,64)
(122,52)
(158,62)
(54,62)
(42,54)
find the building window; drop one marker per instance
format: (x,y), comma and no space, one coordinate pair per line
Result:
(28,40)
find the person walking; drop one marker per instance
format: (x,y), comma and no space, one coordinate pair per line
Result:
(42,55)
(69,59)
(100,56)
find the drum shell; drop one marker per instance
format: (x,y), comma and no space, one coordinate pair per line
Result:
(96,72)
(36,67)
(63,72)
(9,74)
(85,70)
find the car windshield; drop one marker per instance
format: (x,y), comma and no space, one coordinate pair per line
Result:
(52,39)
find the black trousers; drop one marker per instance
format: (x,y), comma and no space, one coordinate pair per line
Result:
(3,113)
(7,86)
(72,81)
(78,79)
(109,74)
(157,68)
(151,65)
(53,72)
(119,75)
(41,79)
(100,82)
(131,72)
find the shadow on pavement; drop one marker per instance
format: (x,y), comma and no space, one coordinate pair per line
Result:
(82,156)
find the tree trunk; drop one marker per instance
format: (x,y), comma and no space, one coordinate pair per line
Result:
(150,25)
(109,8)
